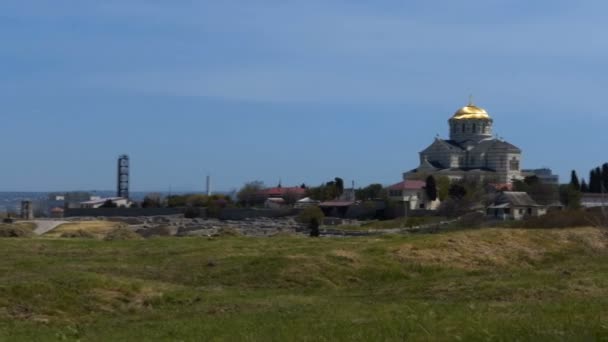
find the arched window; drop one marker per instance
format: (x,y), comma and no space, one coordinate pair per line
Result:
(474,128)
(464,128)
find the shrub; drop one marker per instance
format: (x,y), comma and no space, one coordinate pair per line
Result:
(122,234)
(314,227)
(310,213)
(14,231)
(192,212)
(470,220)
(78,234)
(227,231)
(156,231)
(560,219)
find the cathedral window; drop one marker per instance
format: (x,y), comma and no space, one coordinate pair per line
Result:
(464,128)
(474,128)
(514,164)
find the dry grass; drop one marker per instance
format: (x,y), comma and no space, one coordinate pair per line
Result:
(482,249)
(98,228)
(17,229)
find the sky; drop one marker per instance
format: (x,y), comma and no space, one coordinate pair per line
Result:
(297,91)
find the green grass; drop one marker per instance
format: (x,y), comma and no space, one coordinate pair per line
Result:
(494,284)
(390,224)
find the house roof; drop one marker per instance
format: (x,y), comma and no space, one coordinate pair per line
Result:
(103,200)
(408,185)
(281,191)
(515,198)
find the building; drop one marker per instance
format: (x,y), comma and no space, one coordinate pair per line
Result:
(514,205)
(290,194)
(545,175)
(592,200)
(122,182)
(471,151)
(119,202)
(413,193)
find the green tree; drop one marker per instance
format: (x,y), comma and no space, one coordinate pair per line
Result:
(457,191)
(248,194)
(152,200)
(431,188)
(574,181)
(570,196)
(372,191)
(309,214)
(339,182)
(584,186)
(443,187)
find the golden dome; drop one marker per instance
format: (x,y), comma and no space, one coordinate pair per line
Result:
(471,112)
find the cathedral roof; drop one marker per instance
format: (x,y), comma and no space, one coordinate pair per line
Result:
(495,144)
(471,111)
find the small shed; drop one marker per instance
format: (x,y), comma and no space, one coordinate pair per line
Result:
(514,205)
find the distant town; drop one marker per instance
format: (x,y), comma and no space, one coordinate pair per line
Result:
(471,171)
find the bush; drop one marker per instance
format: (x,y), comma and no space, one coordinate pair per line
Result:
(314,227)
(192,212)
(307,215)
(156,231)
(122,234)
(470,220)
(78,234)
(12,231)
(227,231)
(560,219)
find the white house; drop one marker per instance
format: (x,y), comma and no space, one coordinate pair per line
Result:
(413,193)
(99,202)
(514,205)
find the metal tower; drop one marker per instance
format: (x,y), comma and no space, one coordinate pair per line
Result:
(123,176)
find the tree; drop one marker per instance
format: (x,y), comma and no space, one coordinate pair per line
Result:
(248,193)
(584,186)
(570,196)
(604,178)
(314,227)
(431,188)
(457,191)
(109,204)
(339,186)
(372,191)
(598,180)
(443,187)
(309,214)
(574,181)
(152,200)
(328,191)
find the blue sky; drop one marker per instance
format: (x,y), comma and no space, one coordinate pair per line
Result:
(299,90)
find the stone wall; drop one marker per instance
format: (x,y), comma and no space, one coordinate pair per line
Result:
(245,213)
(122,212)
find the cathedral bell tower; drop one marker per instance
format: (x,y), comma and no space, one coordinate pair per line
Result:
(470,123)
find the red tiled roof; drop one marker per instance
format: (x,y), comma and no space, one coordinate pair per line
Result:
(408,185)
(282,191)
(502,186)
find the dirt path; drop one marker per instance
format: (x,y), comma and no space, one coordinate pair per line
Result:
(45,226)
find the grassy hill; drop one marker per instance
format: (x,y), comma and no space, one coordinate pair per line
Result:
(491,284)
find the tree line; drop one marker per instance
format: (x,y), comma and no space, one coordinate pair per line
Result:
(597,181)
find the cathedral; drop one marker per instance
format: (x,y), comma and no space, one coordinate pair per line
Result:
(471,151)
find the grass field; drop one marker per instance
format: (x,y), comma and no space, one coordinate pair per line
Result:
(490,284)
(97,228)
